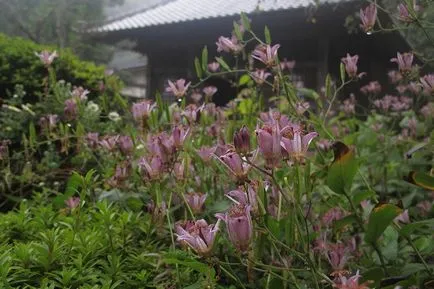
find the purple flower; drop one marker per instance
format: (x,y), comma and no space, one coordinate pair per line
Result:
(209,91)
(230,45)
(337,255)
(349,105)
(403,217)
(122,173)
(109,142)
(196,202)
(79,93)
(92,139)
(334,214)
(351,65)
(72,203)
(179,88)
(196,96)
(235,164)
(342,282)
(260,76)
(179,134)
(269,139)
(198,235)
(152,168)
(394,76)
(242,141)
(48,122)
(404,60)
(214,66)
(71,109)
(125,144)
(206,153)
(404,15)
(266,54)
(142,110)
(46,57)
(428,83)
(295,143)
(191,113)
(178,170)
(428,110)
(372,87)
(239,226)
(241,197)
(324,144)
(301,107)
(286,64)
(368,18)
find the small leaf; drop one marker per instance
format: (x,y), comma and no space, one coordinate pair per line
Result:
(222,63)
(422,180)
(244,79)
(32,134)
(328,86)
(245,21)
(340,224)
(381,217)
(267,35)
(343,169)
(361,196)
(237,31)
(204,58)
(342,70)
(197,67)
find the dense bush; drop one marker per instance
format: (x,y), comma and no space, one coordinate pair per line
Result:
(299,190)
(20,66)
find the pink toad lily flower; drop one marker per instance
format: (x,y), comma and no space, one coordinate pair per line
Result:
(404,15)
(196,202)
(403,218)
(192,113)
(269,139)
(230,45)
(209,91)
(428,83)
(301,107)
(179,170)
(109,142)
(92,139)
(71,109)
(46,57)
(266,54)
(332,215)
(239,226)
(287,64)
(236,165)
(351,65)
(368,18)
(241,197)
(179,88)
(404,60)
(126,144)
(214,66)
(242,141)
(198,235)
(153,168)
(179,134)
(48,122)
(79,93)
(72,203)
(342,282)
(196,96)
(206,153)
(142,110)
(372,87)
(260,76)
(337,255)
(295,143)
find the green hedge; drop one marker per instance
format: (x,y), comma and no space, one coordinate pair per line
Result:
(20,65)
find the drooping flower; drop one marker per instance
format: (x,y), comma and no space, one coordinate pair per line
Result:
(260,76)
(72,202)
(242,141)
(196,201)
(230,45)
(198,235)
(214,66)
(179,88)
(368,16)
(269,139)
(267,54)
(342,282)
(296,144)
(428,83)
(206,153)
(239,226)
(71,109)
(46,57)
(351,65)
(404,60)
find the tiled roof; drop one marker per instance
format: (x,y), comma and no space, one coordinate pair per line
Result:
(187,10)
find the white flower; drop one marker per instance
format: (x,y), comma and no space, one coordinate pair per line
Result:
(114,116)
(92,107)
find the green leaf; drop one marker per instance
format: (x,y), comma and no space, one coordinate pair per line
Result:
(244,79)
(340,224)
(381,217)
(408,229)
(342,70)
(237,31)
(245,21)
(343,169)
(267,35)
(422,180)
(205,58)
(32,134)
(197,67)
(223,63)
(245,106)
(361,196)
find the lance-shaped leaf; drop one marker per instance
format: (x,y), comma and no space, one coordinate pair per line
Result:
(343,169)
(421,180)
(425,225)
(381,217)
